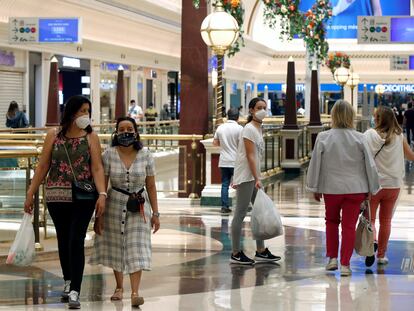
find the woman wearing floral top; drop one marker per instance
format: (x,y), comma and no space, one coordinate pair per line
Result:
(75,144)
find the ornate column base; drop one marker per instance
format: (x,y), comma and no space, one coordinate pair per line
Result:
(313,131)
(290,149)
(211,194)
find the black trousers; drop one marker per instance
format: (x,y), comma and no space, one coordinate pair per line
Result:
(71,223)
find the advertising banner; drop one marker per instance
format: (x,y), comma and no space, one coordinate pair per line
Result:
(343,24)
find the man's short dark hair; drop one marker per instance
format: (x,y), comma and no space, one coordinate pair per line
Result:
(410,105)
(132,101)
(233,114)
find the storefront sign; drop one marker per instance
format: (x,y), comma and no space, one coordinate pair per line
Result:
(7,59)
(390,88)
(71,62)
(44,30)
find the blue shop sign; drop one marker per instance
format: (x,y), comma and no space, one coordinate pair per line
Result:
(62,30)
(7,59)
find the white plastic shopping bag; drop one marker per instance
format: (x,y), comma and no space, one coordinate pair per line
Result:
(265,220)
(22,250)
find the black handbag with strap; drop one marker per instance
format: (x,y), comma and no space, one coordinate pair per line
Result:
(82,191)
(135,201)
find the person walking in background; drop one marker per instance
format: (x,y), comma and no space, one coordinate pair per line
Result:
(151,113)
(135,111)
(388,146)
(16,118)
(227,137)
(247,180)
(165,114)
(409,122)
(71,154)
(343,171)
(123,240)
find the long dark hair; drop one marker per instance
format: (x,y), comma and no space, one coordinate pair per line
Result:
(252,104)
(137,144)
(72,106)
(13,107)
(386,123)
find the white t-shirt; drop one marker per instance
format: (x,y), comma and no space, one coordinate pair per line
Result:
(135,112)
(242,172)
(389,161)
(228,134)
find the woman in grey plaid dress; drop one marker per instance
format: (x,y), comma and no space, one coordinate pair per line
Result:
(123,240)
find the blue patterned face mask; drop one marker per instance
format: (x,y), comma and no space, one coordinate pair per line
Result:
(126,139)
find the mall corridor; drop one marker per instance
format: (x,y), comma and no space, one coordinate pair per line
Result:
(191,270)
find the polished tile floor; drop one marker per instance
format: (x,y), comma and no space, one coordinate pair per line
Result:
(191,269)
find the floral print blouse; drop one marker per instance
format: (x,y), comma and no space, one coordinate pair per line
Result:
(60,177)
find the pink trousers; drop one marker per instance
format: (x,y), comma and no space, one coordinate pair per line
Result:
(385,199)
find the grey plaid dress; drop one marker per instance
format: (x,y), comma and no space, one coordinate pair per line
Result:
(125,244)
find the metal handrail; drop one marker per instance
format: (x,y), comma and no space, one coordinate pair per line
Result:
(180,137)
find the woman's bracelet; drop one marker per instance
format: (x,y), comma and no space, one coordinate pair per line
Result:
(104,194)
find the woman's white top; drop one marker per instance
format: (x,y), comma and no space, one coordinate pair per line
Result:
(342,163)
(390,160)
(242,172)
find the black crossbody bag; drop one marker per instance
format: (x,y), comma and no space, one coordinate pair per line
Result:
(82,191)
(135,201)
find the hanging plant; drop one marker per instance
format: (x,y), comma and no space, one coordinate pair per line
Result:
(286,14)
(336,60)
(235,9)
(314,30)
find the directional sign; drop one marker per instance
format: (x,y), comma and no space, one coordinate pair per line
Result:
(400,62)
(44,30)
(373,29)
(23,30)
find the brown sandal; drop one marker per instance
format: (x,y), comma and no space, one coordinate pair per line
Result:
(117,294)
(136,300)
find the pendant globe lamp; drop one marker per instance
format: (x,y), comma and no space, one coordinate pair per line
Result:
(219,30)
(341,76)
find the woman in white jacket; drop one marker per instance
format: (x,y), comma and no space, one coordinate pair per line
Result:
(343,171)
(388,146)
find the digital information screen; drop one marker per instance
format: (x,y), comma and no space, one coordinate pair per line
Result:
(402,30)
(63,30)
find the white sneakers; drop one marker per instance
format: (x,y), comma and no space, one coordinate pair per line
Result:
(346,271)
(332,264)
(382,261)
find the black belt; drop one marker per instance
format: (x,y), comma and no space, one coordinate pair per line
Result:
(127,192)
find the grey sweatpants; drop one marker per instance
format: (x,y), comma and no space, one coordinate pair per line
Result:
(246,193)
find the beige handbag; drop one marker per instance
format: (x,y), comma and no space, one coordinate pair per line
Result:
(364,239)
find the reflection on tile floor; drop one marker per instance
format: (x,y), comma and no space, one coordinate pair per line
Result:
(191,270)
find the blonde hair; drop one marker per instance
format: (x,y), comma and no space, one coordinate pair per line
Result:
(342,115)
(386,123)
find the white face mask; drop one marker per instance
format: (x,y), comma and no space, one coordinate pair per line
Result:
(261,114)
(83,121)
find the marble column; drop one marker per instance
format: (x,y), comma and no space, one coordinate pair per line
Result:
(95,91)
(194,94)
(290,131)
(120,106)
(290,108)
(266,94)
(53,109)
(315,125)
(248,97)
(133,83)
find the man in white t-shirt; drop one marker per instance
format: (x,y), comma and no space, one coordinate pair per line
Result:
(135,111)
(227,137)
